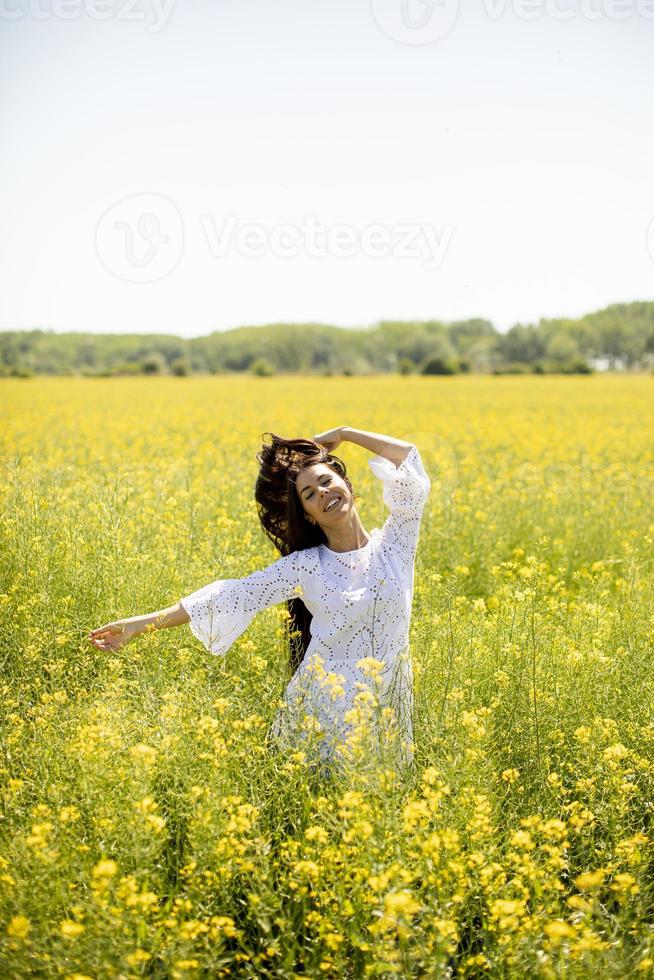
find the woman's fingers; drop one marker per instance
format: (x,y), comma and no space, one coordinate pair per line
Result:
(108,629)
(105,637)
(102,644)
(111,636)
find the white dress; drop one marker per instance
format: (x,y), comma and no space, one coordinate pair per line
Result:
(360,602)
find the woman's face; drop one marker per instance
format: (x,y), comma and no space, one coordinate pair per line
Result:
(319,487)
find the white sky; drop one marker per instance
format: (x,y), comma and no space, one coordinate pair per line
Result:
(523,139)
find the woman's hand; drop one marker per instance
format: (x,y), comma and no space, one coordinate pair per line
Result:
(331,438)
(113,636)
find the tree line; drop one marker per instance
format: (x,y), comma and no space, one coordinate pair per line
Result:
(620,337)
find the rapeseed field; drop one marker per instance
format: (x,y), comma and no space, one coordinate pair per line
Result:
(146,830)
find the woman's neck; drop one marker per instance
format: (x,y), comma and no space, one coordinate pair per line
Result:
(348,538)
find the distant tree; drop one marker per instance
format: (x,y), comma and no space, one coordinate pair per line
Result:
(262,368)
(440,356)
(154,363)
(389,341)
(127,367)
(180,366)
(619,336)
(521,344)
(561,348)
(482,353)
(466,334)
(577,365)
(438,365)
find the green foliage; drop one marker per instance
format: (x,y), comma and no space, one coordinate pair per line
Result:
(437,364)
(620,337)
(262,368)
(154,363)
(181,366)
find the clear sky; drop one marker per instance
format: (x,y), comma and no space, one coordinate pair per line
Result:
(182,166)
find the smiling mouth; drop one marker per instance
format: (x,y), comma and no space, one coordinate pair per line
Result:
(333,503)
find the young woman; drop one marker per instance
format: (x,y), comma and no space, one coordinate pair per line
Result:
(348,591)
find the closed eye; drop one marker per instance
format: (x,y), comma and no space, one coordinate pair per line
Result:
(310,495)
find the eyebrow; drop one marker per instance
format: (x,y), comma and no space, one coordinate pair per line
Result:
(309,485)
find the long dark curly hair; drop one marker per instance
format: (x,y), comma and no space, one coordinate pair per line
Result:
(284,519)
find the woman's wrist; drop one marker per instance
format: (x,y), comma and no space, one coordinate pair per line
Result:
(148,622)
(139,624)
(161,619)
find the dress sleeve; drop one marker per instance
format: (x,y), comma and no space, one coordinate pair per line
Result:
(406,488)
(221,611)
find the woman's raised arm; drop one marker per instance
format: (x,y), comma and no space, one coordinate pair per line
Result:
(395,450)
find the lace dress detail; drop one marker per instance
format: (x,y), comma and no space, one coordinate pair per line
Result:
(221,611)
(360,602)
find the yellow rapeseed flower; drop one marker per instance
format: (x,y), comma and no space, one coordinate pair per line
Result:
(138,956)
(369,666)
(625,883)
(69,814)
(559,930)
(316,833)
(144,753)
(105,869)
(19,927)
(590,880)
(522,839)
(401,903)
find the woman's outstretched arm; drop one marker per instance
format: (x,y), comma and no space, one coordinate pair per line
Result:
(395,450)
(113,636)
(217,613)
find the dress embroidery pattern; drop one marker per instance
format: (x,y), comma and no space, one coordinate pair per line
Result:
(360,602)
